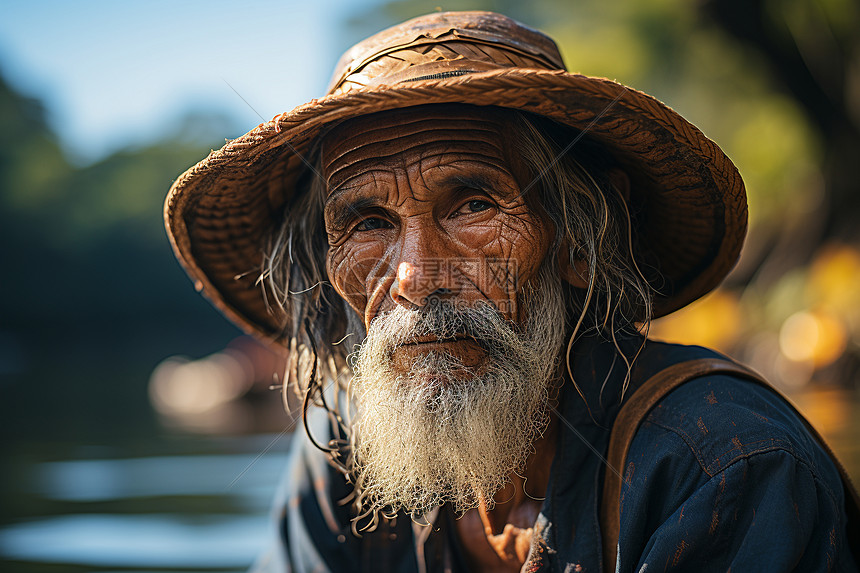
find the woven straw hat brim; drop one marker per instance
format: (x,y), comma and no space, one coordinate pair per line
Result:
(691,203)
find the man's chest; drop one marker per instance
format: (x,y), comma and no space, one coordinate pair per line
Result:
(503,550)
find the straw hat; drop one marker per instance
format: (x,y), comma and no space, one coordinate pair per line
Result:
(690,200)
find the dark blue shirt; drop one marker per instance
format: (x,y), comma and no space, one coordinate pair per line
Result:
(722,476)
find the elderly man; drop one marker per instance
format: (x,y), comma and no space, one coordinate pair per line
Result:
(462,247)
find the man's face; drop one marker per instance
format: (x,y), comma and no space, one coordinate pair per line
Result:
(433,244)
(425,206)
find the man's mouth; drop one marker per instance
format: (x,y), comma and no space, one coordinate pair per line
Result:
(466,348)
(420,340)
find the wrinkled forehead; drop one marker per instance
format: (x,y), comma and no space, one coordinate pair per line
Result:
(385,137)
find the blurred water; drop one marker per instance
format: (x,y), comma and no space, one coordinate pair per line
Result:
(188,511)
(99,480)
(154,541)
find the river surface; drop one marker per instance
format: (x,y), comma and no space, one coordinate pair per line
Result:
(189,504)
(181,502)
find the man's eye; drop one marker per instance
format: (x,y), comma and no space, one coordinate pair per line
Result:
(473,206)
(372,224)
(477,205)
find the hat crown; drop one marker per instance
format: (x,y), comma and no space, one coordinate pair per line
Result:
(440,45)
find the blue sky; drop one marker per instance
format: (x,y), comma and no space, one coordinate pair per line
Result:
(113,74)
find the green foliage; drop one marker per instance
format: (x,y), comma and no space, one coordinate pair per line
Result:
(91,292)
(31,163)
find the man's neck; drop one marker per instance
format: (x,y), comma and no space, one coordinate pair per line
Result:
(498,539)
(530,486)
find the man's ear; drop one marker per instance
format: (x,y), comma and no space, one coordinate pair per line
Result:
(621,182)
(575,273)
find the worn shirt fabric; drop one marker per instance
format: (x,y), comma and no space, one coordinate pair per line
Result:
(723,476)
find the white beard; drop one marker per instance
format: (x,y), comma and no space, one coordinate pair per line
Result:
(445,432)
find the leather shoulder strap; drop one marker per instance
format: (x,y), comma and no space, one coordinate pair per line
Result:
(631,416)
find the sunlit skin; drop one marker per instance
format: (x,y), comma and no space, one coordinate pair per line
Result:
(424,204)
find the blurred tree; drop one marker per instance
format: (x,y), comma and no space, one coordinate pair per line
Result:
(92,297)
(812,48)
(812,52)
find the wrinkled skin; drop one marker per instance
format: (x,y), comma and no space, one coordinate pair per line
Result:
(415,201)
(425,204)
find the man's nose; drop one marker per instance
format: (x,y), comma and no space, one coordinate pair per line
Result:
(425,273)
